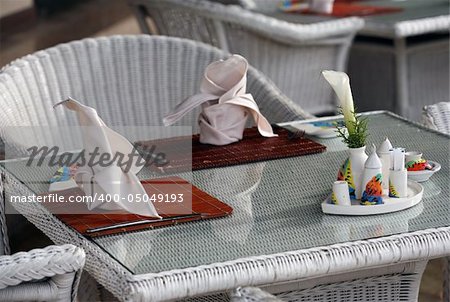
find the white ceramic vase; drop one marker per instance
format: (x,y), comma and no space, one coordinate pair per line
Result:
(352,170)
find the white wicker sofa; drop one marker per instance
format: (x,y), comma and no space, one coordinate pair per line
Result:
(291,55)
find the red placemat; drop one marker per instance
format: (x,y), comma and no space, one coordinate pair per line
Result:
(343,9)
(252,148)
(204,206)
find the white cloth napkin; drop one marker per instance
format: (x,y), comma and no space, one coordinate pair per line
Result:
(113,180)
(225,104)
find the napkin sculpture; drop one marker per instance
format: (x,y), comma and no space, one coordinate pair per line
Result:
(96,179)
(225,104)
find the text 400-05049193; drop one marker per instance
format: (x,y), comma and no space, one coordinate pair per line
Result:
(57,198)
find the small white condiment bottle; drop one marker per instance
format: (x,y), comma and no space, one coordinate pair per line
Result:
(372,180)
(398,176)
(384,152)
(340,195)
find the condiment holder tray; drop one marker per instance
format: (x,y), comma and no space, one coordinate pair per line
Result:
(414,191)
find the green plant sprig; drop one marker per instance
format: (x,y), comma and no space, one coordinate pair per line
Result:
(356,138)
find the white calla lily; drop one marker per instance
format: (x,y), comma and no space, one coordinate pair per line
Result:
(340,83)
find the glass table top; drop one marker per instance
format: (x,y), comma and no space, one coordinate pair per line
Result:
(277,207)
(381,24)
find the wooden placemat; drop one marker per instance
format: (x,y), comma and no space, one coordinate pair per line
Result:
(204,206)
(252,148)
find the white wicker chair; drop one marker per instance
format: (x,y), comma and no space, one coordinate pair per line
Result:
(49,274)
(292,55)
(437,117)
(130,80)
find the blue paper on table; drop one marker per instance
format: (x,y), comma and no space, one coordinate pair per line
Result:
(321,129)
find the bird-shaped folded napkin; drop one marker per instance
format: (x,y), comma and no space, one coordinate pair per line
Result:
(225,104)
(115,180)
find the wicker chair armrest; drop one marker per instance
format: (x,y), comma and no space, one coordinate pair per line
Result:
(40,263)
(422,26)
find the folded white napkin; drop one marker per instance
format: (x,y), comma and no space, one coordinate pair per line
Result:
(98,181)
(225,104)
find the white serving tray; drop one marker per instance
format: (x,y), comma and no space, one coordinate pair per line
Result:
(415,193)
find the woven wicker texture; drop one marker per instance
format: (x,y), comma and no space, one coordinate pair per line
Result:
(397,283)
(437,117)
(271,215)
(389,288)
(302,51)
(130,80)
(54,272)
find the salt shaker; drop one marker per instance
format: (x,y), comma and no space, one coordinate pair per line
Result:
(398,175)
(372,180)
